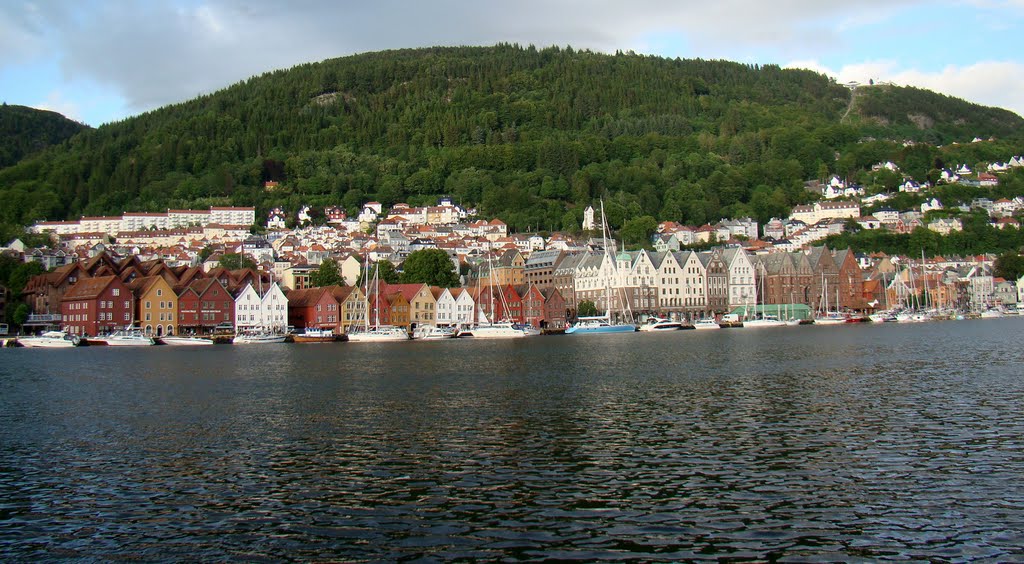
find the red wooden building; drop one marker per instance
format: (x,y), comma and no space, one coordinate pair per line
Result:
(94,306)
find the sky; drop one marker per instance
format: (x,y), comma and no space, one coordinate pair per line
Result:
(100,61)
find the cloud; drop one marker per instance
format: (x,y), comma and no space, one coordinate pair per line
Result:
(57,102)
(989,83)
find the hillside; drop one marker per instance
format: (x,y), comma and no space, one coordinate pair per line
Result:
(527,135)
(24,131)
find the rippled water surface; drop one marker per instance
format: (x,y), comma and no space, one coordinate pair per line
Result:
(810,443)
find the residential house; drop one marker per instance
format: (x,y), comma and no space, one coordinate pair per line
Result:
(261,312)
(422,304)
(717,281)
(555,311)
(314,308)
(742,292)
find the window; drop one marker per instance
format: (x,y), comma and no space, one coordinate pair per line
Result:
(159,292)
(115,292)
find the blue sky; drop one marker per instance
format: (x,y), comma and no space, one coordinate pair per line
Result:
(101,61)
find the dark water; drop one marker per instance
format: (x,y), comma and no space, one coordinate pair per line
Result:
(895,442)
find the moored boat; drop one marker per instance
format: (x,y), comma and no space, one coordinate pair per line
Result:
(127,337)
(185,341)
(500,330)
(311,335)
(378,334)
(706,323)
(765,320)
(599,324)
(660,324)
(434,333)
(257,338)
(50,340)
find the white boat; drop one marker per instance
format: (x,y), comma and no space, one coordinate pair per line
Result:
(883,317)
(660,324)
(257,338)
(706,323)
(50,340)
(992,313)
(911,317)
(830,318)
(186,341)
(375,333)
(312,335)
(766,320)
(599,324)
(500,330)
(434,333)
(378,334)
(127,337)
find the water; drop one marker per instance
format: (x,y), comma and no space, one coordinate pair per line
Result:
(844,443)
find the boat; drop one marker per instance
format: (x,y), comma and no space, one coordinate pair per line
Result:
(50,340)
(500,330)
(765,320)
(992,313)
(660,324)
(127,337)
(826,317)
(434,333)
(883,317)
(311,335)
(375,333)
(596,324)
(186,341)
(257,338)
(706,323)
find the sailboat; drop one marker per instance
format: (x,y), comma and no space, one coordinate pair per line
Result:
(376,333)
(826,317)
(764,319)
(487,329)
(602,323)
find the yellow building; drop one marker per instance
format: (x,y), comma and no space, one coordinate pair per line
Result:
(156,306)
(422,304)
(352,303)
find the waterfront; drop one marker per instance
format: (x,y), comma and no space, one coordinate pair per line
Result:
(825,443)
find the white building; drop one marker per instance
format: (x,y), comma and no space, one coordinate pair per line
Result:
(267,312)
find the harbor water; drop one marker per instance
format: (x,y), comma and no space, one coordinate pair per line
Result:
(845,443)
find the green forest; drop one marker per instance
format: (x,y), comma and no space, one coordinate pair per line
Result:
(527,135)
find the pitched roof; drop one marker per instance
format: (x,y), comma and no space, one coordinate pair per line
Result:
(88,288)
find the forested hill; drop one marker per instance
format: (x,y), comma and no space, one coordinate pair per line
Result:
(528,135)
(24,131)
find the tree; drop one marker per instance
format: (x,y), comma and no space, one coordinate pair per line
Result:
(638,230)
(388,273)
(205,253)
(327,275)
(430,266)
(20,314)
(586,308)
(236,261)
(1009,266)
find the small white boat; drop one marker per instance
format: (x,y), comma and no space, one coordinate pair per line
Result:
(257,338)
(378,334)
(311,335)
(766,320)
(433,333)
(500,330)
(830,318)
(50,340)
(660,324)
(883,317)
(597,325)
(706,323)
(911,317)
(186,341)
(127,337)
(992,313)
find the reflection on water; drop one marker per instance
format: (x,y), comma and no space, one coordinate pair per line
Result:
(829,443)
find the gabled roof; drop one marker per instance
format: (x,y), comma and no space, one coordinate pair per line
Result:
(89,288)
(306,297)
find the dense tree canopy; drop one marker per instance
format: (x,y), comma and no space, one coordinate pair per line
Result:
(430,266)
(235,261)
(326,275)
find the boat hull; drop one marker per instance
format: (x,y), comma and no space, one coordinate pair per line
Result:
(599,329)
(186,341)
